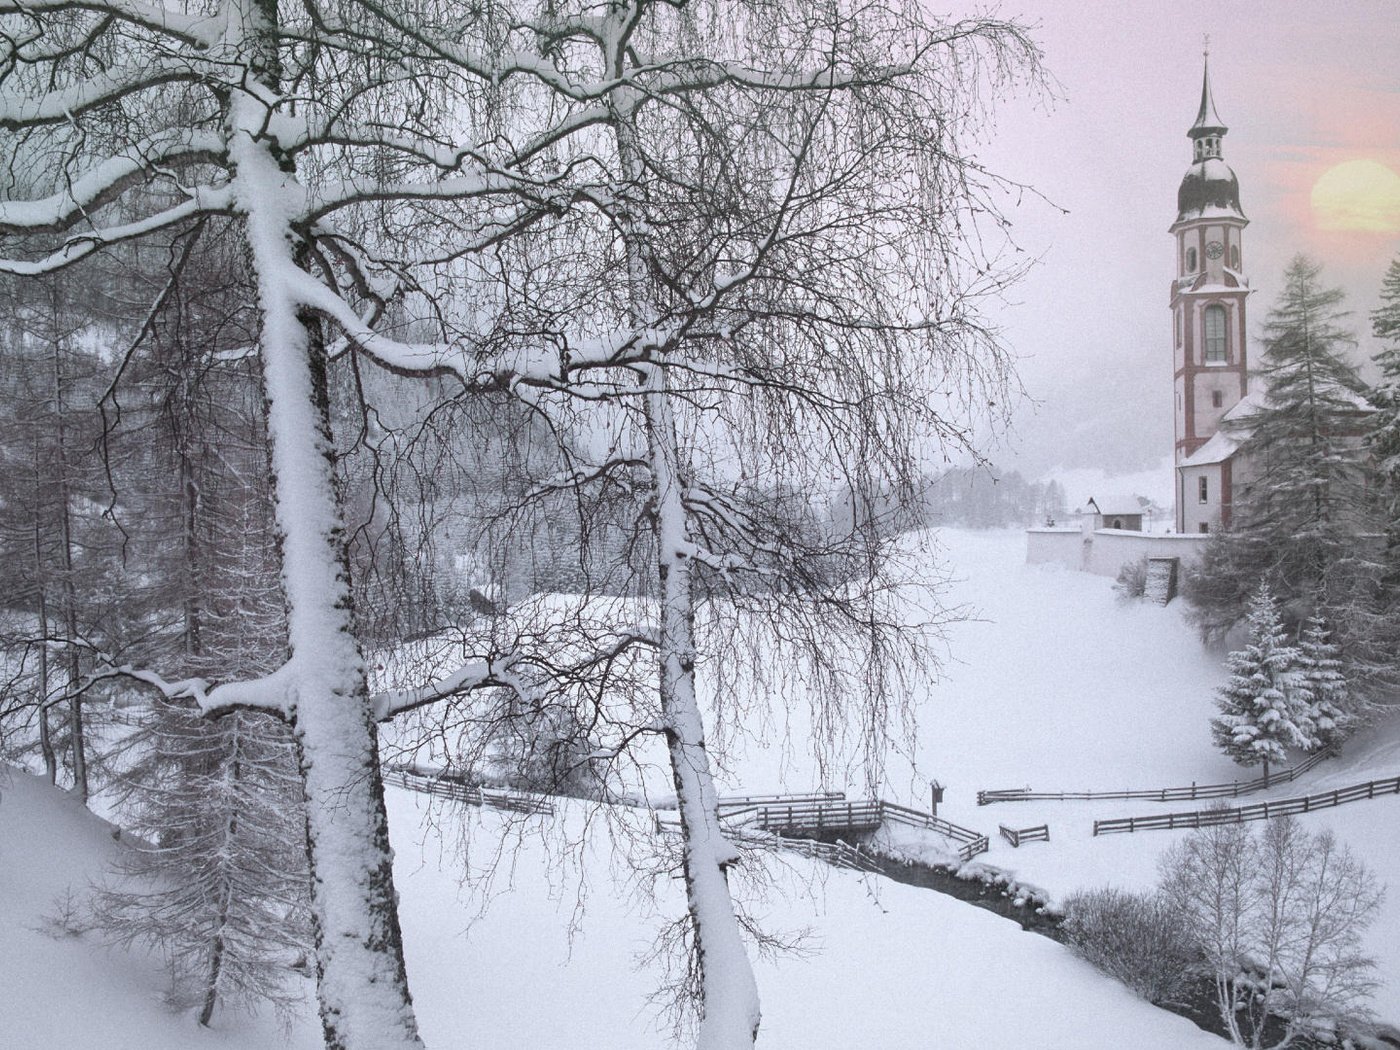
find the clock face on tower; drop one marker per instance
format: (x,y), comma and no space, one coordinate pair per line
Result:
(1215,249)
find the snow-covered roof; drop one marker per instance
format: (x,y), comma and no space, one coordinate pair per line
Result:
(1225,442)
(1117,503)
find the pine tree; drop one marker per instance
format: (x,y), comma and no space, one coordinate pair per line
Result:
(1323,683)
(1263,710)
(1307,496)
(1304,508)
(1385,431)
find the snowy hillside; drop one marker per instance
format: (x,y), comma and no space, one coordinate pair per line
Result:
(1055,685)
(554,961)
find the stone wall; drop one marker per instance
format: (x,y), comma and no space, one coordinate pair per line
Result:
(1104,551)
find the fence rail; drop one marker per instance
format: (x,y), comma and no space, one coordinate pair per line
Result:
(1177,794)
(1202,818)
(1016,836)
(445,787)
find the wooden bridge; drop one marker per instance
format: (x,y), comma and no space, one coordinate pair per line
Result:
(802,816)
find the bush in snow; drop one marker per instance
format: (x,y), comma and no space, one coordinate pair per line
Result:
(1278,918)
(1138,938)
(1132,579)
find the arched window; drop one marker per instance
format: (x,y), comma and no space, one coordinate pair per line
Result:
(1190,260)
(1234,256)
(1215,334)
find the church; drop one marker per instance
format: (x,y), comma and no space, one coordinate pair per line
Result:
(1208,302)
(1209,296)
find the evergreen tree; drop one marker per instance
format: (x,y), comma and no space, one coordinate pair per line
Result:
(1263,709)
(222,888)
(1324,684)
(1307,497)
(1385,431)
(1304,507)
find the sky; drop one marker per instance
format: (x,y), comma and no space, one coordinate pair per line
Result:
(1304,89)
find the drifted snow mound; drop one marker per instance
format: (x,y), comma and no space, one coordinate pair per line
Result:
(70,992)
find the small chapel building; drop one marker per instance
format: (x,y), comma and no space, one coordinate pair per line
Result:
(1209,294)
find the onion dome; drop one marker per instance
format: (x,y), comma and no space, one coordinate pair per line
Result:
(1209,189)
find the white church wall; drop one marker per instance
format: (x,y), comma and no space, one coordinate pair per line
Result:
(1196,512)
(1113,548)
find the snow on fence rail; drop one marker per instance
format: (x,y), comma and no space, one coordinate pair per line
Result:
(445,787)
(837,854)
(804,814)
(1258,811)
(1178,794)
(1016,836)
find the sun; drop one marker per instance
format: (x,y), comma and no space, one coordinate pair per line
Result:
(1360,195)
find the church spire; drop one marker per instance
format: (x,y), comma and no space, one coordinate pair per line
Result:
(1209,128)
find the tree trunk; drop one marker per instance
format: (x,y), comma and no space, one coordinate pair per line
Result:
(45,733)
(730,1010)
(218,943)
(362,985)
(70,598)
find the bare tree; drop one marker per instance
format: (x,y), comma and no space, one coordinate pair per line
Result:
(380,162)
(1279,919)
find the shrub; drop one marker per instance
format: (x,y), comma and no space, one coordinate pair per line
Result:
(1138,938)
(1132,579)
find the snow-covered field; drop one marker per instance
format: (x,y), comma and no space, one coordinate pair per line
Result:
(1056,685)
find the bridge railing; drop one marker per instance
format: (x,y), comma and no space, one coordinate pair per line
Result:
(1258,811)
(1175,794)
(806,814)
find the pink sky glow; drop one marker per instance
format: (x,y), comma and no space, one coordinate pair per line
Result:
(1302,86)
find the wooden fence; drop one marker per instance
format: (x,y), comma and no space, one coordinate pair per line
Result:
(1178,794)
(446,787)
(1016,836)
(1258,811)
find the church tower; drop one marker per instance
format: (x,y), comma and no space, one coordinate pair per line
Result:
(1208,297)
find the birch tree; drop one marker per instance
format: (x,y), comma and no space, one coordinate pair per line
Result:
(792,247)
(381,163)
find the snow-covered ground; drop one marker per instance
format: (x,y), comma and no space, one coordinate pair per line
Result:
(1055,685)
(551,956)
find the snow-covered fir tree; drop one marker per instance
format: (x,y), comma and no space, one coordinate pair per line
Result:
(1385,430)
(1263,708)
(1323,684)
(1305,514)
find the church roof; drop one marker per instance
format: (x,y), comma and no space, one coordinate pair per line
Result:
(1208,121)
(1209,190)
(1225,442)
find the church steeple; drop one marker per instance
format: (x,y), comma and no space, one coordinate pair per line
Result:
(1209,129)
(1208,298)
(1209,187)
